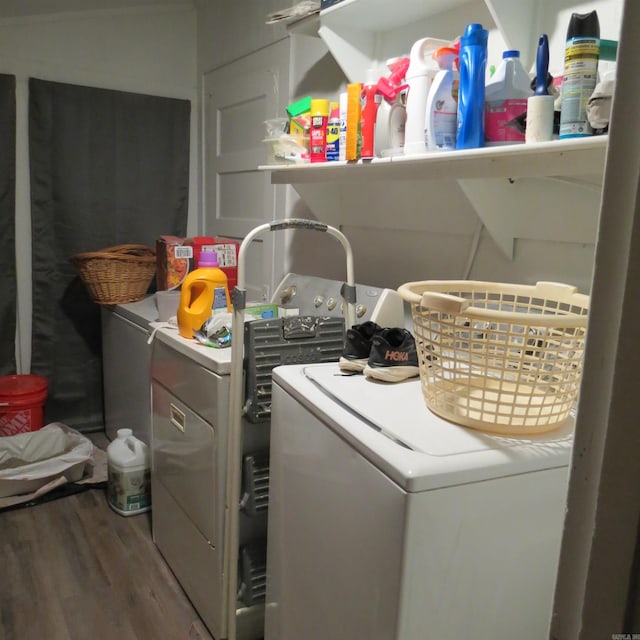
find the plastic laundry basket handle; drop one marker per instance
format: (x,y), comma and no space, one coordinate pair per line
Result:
(443,302)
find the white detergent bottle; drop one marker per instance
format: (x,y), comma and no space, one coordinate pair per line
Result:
(441,119)
(506,98)
(129,476)
(422,69)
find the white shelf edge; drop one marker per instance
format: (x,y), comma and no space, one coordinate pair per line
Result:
(574,157)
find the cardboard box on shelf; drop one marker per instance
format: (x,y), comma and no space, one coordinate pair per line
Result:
(176,257)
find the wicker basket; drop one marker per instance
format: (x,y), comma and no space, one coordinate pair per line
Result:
(117,274)
(503,358)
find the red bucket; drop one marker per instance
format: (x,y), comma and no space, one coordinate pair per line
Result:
(22,400)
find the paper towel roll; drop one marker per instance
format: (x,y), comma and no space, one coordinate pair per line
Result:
(539,119)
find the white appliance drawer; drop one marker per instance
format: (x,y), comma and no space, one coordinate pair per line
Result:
(184,459)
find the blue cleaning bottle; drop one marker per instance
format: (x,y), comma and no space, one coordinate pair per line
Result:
(472,63)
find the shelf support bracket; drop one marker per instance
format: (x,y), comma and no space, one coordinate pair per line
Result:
(534,208)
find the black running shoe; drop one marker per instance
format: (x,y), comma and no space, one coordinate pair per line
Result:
(357,346)
(393,356)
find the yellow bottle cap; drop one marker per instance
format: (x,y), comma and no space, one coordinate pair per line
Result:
(319,107)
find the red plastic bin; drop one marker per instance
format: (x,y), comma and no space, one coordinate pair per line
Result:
(22,399)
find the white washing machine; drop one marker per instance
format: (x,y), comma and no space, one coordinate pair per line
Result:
(387,522)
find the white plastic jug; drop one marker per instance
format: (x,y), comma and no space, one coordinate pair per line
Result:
(422,69)
(129,475)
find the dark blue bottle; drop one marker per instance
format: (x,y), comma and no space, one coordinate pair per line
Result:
(472,64)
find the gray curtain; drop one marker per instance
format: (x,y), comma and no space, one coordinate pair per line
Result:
(107,167)
(8,287)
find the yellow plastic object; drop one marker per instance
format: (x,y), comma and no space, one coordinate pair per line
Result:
(503,358)
(354,111)
(198,298)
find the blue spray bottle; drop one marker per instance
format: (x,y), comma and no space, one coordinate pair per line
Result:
(472,63)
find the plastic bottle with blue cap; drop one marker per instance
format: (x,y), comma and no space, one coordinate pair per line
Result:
(506,98)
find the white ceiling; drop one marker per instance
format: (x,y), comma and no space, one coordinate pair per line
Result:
(16,8)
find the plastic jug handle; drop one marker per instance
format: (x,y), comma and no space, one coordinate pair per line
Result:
(135,446)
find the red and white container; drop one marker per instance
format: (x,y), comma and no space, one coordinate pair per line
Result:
(22,399)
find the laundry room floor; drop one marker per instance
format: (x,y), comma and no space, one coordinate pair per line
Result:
(73,569)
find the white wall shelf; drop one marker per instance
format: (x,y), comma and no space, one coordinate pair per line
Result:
(498,181)
(575,157)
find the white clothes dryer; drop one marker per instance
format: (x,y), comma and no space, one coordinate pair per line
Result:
(387,522)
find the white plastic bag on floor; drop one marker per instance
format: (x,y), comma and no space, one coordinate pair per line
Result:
(28,461)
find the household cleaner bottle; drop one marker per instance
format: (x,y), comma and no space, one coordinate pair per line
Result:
(442,102)
(128,473)
(580,74)
(204,291)
(472,65)
(506,98)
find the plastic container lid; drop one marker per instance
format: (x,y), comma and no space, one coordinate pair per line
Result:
(319,107)
(511,53)
(608,50)
(208,259)
(474,33)
(22,384)
(445,57)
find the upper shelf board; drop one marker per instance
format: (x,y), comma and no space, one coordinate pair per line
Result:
(574,157)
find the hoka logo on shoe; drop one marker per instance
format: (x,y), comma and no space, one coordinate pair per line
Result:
(396,356)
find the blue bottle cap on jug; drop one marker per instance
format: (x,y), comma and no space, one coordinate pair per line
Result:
(474,33)
(511,53)
(208,259)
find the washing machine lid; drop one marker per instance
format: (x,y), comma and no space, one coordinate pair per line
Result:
(393,427)
(216,360)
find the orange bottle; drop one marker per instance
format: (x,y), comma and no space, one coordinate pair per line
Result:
(203,291)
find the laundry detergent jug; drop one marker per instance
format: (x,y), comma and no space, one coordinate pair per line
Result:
(129,476)
(203,292)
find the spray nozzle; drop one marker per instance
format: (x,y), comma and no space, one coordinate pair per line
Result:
(446,57)
(390,86)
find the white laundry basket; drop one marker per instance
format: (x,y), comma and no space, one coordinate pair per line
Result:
(504,358)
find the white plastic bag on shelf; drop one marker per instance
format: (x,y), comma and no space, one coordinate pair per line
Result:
(30,460)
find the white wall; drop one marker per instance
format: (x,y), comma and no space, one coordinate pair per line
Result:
(144,50)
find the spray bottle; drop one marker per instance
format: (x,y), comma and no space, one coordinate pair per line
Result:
(580,74)
(392,114)
(371,100)
(442,102)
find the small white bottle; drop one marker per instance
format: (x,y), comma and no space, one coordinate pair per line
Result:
(129,476)
(506,98)
(441,118)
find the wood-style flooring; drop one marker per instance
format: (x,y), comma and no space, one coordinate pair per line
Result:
(73,569)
